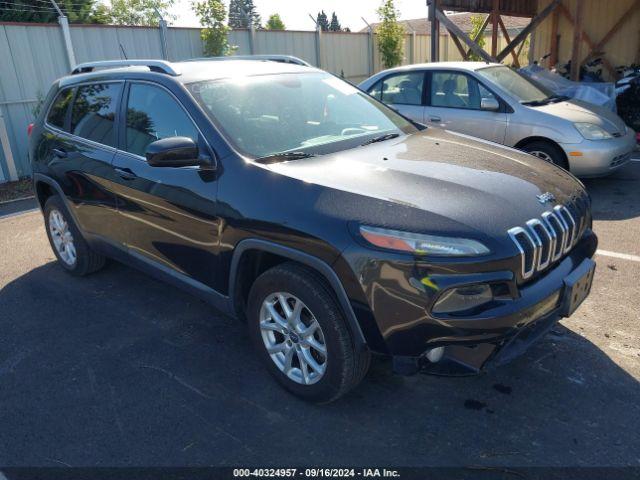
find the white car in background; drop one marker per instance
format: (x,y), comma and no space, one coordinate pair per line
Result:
(493,102)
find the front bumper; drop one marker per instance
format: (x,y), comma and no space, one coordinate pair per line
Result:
(401,307)
(600,157)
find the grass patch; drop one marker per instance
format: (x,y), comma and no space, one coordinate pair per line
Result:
(16,190)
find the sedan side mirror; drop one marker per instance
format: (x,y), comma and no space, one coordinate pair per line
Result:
(174,152)
(489,104)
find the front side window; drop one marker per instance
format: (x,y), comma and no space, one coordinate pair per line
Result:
(314,113)
(457,90)
(94,112)
(153,114)
(400,89)
(58,112)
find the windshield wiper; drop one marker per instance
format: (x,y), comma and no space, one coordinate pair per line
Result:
(546,101)
(284,156)
(381,138)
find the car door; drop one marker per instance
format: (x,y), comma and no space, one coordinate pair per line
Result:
(82,141)
(457,101)
(404,92)
(169,213)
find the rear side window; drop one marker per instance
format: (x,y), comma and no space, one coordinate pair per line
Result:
(94,112)
(153,114)
(59,108)
(400,89)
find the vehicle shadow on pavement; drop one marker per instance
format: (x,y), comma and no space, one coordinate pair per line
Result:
(117,369)
(616,197)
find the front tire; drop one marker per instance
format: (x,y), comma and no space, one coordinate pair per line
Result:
(70,248)
(301,334)
(548,152)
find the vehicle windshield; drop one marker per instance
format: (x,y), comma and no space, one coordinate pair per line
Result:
(296,113)
(523,89)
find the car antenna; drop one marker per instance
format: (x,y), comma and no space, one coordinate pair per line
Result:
(123,52)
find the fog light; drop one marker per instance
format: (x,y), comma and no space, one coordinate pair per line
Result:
(435,354)
(463,298)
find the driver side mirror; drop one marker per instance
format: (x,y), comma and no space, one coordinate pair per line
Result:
(489,104)
(175,152)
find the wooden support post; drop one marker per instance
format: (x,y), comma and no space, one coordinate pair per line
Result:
(455,30)
(555,19)
(495,17)
(624,18)
(577,37)
(586,39)
(505,34)
(478,35)
(435,31)
(535,21)
(461,49)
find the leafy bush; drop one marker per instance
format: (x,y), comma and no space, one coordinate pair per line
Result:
(390,35)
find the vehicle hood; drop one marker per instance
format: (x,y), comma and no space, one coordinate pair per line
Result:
(433,181)
(577,111)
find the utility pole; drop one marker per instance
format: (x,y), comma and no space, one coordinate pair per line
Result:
(318,42)
(370,44)
(66,35)
(163,35)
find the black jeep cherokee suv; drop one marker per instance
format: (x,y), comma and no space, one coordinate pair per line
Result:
(337,228)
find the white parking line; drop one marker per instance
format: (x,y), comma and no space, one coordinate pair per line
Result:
(623,256)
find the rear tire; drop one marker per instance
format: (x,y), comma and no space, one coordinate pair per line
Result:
(295,359)
(70,248)
(547,151)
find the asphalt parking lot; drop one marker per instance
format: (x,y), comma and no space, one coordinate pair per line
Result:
(117,369)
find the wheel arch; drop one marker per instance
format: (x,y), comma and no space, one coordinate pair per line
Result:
(528,140)
(272,254)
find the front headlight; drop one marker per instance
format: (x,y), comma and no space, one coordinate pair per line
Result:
(592,132)
(422,244)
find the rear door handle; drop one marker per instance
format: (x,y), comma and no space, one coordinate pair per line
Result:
(58,152)
(125,173)
(435,119)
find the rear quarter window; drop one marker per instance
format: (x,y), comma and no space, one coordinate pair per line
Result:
(59,107)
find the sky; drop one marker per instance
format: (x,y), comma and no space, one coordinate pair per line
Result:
(295,13)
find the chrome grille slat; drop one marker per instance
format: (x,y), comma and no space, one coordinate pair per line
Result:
(542,242)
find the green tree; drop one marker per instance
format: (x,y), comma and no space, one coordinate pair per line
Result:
(243,13)
(78,11)
(390,35)
(322,21)
(476,24)
(334,26)
(212,15)
(140,12)
(275,23)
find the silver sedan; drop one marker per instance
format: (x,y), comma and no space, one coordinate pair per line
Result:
(493,102)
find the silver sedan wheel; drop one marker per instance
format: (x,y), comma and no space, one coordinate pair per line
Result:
(544,156)
(62,238)
(293,338)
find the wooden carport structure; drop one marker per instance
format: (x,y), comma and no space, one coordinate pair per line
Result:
(591,23)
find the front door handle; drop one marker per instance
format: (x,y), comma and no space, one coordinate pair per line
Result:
(125,173)
(435,119)
(58,152)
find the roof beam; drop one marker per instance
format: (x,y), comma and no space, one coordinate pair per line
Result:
(535,21)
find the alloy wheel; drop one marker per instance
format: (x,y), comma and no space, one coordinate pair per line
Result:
(293,338)
(62,237)
(543,155)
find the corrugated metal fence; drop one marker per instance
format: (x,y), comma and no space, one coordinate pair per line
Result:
(33,55)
